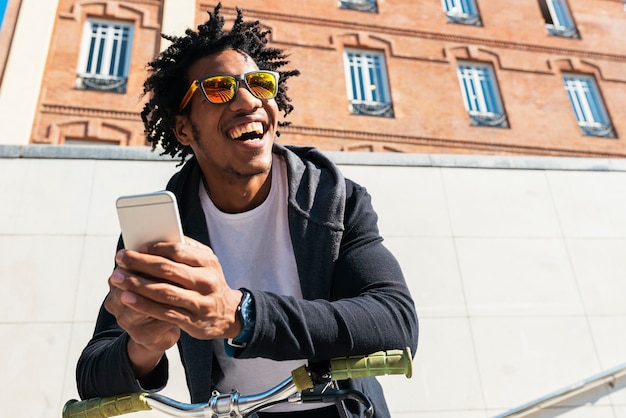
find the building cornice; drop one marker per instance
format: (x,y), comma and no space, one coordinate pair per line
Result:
(444,37)
(90,112)
(366,136)
(448,143)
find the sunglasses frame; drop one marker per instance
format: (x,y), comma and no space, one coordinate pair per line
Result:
(198,83)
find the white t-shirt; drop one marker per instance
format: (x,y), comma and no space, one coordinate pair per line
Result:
(254,249)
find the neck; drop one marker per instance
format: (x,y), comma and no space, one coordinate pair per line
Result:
(239,194)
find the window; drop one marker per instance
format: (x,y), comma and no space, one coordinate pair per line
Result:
(461,11)
(366,83)
(481,96)
(362,5)
(558,19)
(105,56)
(587,105)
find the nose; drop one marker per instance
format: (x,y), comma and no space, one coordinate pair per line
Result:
(244,99)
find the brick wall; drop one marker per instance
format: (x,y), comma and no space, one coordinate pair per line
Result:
(421,51)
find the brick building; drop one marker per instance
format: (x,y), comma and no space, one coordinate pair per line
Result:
(527,77)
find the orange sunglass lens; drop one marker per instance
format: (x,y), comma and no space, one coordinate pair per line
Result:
(219,89)
(262,85)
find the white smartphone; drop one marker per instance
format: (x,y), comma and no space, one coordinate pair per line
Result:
(149,217)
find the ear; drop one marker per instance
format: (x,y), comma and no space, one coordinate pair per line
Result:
(182,130)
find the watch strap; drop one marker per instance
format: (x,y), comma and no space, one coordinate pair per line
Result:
(247,316)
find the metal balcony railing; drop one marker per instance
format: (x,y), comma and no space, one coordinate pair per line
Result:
(609,377)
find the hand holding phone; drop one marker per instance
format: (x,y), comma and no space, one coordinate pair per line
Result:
(192,287)
(147,218)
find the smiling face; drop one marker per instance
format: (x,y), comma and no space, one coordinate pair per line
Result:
(232,141)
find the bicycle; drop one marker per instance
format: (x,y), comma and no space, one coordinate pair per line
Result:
(310,383)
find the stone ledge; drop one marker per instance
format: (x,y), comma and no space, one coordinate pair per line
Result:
(340,158)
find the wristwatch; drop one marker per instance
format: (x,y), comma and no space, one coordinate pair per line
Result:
(246,313)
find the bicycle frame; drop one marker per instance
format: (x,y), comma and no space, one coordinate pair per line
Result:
(304,386)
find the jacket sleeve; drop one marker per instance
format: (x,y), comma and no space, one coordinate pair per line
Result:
(369,309)
(104,368)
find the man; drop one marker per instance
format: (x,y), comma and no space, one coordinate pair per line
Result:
(282,262)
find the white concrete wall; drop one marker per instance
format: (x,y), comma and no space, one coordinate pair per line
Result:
(516,266)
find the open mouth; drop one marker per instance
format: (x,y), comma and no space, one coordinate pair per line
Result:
(252,131)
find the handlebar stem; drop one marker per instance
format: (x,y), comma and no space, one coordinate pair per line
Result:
(223,403)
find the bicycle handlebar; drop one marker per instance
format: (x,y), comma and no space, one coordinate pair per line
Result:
(376,364)
(353,367)
(109,406)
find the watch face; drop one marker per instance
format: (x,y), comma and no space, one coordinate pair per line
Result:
(246,313)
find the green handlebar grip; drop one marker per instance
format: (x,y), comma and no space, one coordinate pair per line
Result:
(376,364)
(106,407)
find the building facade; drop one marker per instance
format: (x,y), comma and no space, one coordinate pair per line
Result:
(530,77)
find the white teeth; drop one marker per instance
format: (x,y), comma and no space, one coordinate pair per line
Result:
(252,127)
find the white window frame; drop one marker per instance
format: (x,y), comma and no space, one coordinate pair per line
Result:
(367,85)
(562,23)
(361,5)
(481,96)
(105,53)
(461,11)
(587,105)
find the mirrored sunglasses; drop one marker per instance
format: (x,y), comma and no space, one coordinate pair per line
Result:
(222,88)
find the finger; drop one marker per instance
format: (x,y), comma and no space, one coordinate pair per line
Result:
(189,267)
(131,260)
(193,243)
(156,335)
(130,285)
(155,254)
(171,313)
(113,303)
(191,252)
(201,324)
(149,265)
(126,316)
(152,333)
